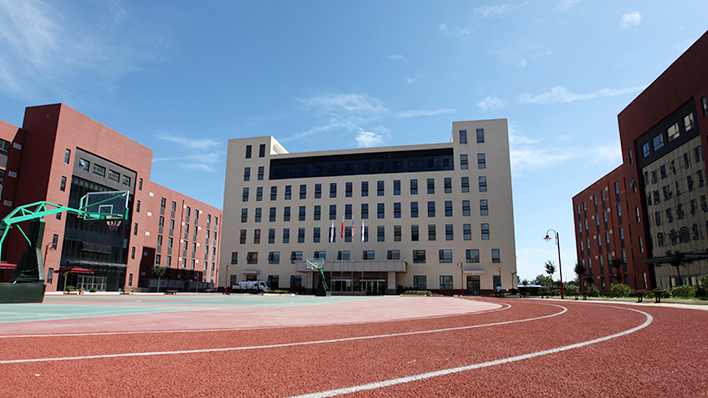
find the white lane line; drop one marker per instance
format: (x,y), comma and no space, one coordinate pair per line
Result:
(423,376)
(10,336)
(304,343)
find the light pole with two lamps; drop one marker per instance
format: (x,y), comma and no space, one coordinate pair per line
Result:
(560,269)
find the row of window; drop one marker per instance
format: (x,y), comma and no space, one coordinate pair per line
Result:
(419,256)
(463,136)
(670,134)
(347,234)
(261,151)
(680,212)
(183,263)
(663,173)
(364,213)
(654,197)
(683,235)
(194,229)
(364,192)
(187,214)
(100,171)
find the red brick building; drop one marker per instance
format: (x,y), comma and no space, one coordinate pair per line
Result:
(58,155)
(662,179)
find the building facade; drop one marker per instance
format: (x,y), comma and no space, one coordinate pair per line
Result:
(58,156)
(428,217)
(663,133)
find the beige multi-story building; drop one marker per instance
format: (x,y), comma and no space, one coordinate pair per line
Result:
(429,217)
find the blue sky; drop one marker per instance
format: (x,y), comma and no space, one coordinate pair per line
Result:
(183,77)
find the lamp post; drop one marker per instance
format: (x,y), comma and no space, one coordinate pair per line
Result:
(462,278)
(560,269)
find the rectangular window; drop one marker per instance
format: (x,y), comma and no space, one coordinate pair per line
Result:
(419,282)
(67,155)
(364,211)
(261,150)
(348,189)
(431,209)
(414,209)
(271,235)
(258,215)
(481,161)
(688,122)
(316,235)
(380,210)
(495,256)
(704,104)
(84,164)
(463,162)
(658,141)
(448,208)
(368,255)
(414,187)
(483,207)
(113,175)
(99,170)
(364,188)
(271,214)
(397,210)
(247,174)
(274,258)
(333,190)
(467,231)
(234,257)
(485,231)
(244,217)
(431,232)
(463,136)
(396,233)
(244,196)
(286,213)
(252,258)
(343,255)
(397,187)
(465,184)
(288,192)
(318,191)
(448,232)
(414,233)
(301,213)
(332,212)
(259,194)
(248,151)
(480,136)
(431,186)
(445,255)
(286,235)
(472,255)
(482,184)
(673,132)
(242,237)
(419,256)
(393,255)
(379,188)
(62,185)
(380,234)
(273,193)
(466,208)
(646,150)
(303,191)
(256,237)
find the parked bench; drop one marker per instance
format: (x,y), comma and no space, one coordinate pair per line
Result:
(641,293)
(578,293)
(171,292)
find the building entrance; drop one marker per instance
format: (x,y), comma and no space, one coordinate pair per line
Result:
(373,287)
(473,285)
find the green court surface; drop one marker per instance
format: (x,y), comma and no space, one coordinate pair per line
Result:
(87,306)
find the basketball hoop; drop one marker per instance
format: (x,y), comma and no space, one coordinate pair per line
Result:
(113,224)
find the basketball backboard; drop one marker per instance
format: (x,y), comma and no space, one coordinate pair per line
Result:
(314,264)
(102,206)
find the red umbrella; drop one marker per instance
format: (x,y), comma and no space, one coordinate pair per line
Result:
(74,270)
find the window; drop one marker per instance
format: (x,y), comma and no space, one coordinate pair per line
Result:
(258,215)
(261,150)
(256,237)
(414,187)
(467,231)
(113,175)
(348,190)
(704,104)
(431,186)
(286,235)
(646,150)
(273,193)
(365,238)
(396,233)
(397,187)
(431,209)
(480,136)
(495,256)
(431,232)
(343,255)
(62,185)
(465,184)
(99,170)
(445,281)
(248,151)
(126,180)
(364,188)
(445,255)
(271,215)
(397,210)
(316,235)
(414,233)
(244,197)
(301,213)
(368,255)
(84,164)
(244,218)
(688,122)
(481,161)
(419,256)
(364,211)
(419,282)
(288,192)
(318,191)
(380,210)
(303,191)
(379,188)
(259,194)
(286,213)
(463,136)
(482,184)
(466,208)
(414,209)
(333,190)
(260,172)
(234,257)
(485,231)
(252,258)
(483,207)
(271,235)
(463,162)
(448,232)
(472,255)
(658,141)
(332,212)
(295,256)
(448,208)
(380,234)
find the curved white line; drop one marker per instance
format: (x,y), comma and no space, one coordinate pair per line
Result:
(252,328)
(304,343)
(422,376)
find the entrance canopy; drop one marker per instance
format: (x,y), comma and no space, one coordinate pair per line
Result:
(4,265)
(74,270)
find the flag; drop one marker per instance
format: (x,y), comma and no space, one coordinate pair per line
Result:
(352,228)
(362,230)
(331,233)
(342,233)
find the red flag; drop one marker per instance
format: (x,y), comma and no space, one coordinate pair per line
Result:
(342,227)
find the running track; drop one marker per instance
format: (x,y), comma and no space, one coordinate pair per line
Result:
(504,348)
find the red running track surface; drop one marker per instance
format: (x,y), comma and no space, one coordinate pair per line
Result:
(525,348)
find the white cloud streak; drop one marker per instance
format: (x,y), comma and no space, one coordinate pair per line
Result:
(560,94)
(200,154)
(398,57)
(418,113)
(631,19)
(566,5)
(453,32)
(496,10)
(491,103)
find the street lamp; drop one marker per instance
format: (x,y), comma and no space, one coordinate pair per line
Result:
(560,269)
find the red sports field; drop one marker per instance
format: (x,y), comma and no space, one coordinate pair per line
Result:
(230,346)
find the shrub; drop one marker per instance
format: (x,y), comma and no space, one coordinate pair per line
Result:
(684,291)
(620,290)
(555,292)
(70,288)
(571,289)
(593,292)
(417,293)
(666,294)
(93,290)
(513,291)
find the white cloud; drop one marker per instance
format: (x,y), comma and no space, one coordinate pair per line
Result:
(368,139)
(491,103)
(417,113)
(455,32)
(535,160)
(630,19)
(398,57)
(411,80)
(199,154)
(521,139)
(566,5)
(560,94)
(496,10)
(189,143)
(350,103)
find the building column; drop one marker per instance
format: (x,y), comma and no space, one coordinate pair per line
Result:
(392,287)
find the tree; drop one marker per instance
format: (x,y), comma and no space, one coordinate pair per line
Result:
(618,273)
(677,259)
(550,269)
(159,271)
(580,270)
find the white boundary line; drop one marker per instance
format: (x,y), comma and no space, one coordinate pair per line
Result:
(256,327)
(227,349)
(423,376)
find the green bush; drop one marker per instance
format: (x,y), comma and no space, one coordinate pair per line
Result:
(417,293)
(685,291)
(555,292)
(70,288)
(593,291)
(278,292)
(620,290)
(571,289)
(513,291)
(666,294)
(93,290)
(531,291)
